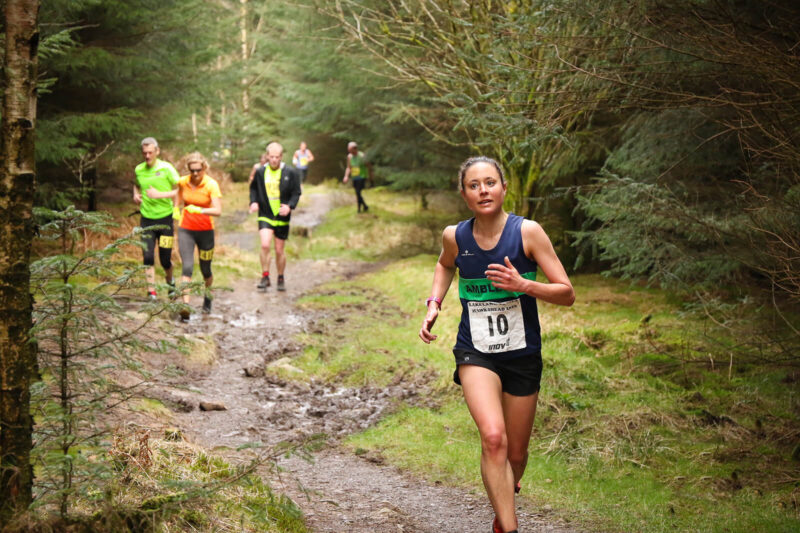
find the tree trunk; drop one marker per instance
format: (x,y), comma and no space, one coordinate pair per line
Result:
(243,37)
(17,180)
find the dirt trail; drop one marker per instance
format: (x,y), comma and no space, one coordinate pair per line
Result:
(337,490)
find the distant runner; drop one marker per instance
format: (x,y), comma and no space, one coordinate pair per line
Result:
(200,197)
(301,159)
(357,169)
(498,347)
(274,192)
(154,176)
(262,160)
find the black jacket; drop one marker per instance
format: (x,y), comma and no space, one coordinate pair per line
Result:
(289,187)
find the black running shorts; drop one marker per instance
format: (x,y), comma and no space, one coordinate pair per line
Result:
(281,232)
(520,376)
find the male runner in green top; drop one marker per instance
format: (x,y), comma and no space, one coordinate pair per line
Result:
(357,167)
(274,192)
(155,175)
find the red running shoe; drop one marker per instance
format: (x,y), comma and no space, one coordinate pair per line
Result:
(496,526)
(517,488)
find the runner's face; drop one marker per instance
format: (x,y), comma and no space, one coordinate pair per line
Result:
(483,190)
(196,172)
(274,156)
(150,153)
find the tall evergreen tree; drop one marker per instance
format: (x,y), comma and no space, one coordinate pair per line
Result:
(114,73)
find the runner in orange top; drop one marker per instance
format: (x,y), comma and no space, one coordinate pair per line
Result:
(200,197)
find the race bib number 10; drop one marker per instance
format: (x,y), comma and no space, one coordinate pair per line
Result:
(496,326)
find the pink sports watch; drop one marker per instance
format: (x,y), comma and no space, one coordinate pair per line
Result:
(434,299)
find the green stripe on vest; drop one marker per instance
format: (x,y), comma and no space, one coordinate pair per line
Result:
(482,290)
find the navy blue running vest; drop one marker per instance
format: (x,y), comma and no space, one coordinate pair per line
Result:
(499,323)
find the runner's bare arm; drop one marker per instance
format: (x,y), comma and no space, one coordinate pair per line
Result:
(215,210)
(537,247)
(254,192)
(442,278)
(347,170)
(152,192)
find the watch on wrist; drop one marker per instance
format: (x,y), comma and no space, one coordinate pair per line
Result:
(434,299)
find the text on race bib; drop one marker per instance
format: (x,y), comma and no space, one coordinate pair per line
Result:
(496,326)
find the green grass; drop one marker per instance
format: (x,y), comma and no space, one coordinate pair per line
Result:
(642,424)
(173,479)
(645,422)
(394,227)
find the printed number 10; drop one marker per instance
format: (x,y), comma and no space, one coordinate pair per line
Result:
(502,325)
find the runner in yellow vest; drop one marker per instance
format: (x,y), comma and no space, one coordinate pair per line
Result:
(274,192)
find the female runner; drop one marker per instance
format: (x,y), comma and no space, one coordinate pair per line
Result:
(498,347)
(200,197)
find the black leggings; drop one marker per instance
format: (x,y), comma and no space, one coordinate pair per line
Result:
(358,185)
(164,237)
(204,240)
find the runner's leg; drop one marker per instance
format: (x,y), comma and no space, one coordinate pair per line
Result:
(266,242)
(186,245)
(165,240)
(280,255)
(149,256)
(522,410)
(205,252)
(483,393)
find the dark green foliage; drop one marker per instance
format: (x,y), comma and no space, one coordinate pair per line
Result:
(337,88)
(86,337)
(111,72)
(698,195)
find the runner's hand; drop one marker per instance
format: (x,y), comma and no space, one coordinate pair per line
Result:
(344,180)
(427,324)
(284,210)
(506,277)
(254,207)
(194,209)
(137,198)
(152,192)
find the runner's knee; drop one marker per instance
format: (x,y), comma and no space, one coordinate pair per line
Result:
(494,441)
(165,256)
(517,457)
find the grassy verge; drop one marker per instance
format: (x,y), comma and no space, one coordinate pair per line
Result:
(642,424)
(182,487)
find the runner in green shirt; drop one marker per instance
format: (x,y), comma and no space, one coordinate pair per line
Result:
(154,176)
(357,168)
